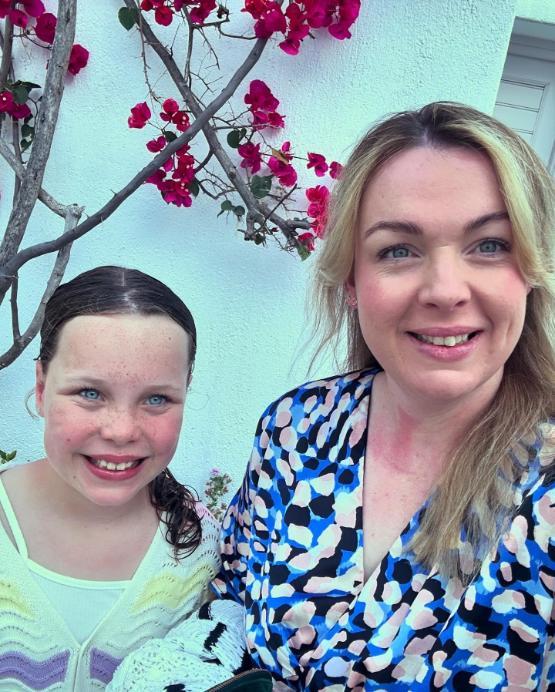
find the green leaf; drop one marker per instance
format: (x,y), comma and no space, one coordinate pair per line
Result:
(261,185)
(235,136)
(169,135)
(239,211)
(27,131)
(20,93)
(29,85)
(303,252)
(128,17)
(225,206)
(194,187)
(25,144)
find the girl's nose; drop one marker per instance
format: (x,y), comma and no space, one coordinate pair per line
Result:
(120,425)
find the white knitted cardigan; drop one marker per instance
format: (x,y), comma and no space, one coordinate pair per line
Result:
(199,653)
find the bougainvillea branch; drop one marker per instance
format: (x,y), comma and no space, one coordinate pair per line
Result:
(44,132)
(200,147)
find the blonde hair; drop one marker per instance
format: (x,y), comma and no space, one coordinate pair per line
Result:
(477,489)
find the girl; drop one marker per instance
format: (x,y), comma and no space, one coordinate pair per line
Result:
(101,548)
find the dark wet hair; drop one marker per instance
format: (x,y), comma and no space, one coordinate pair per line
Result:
(111,290)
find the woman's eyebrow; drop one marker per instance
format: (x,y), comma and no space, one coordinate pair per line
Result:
(485,219)
(414,229)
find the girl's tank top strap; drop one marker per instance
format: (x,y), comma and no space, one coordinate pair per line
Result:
(12,520)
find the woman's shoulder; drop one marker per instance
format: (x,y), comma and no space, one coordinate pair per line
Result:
(327,390)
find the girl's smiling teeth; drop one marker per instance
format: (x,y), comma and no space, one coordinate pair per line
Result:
(111,466)
(451,340)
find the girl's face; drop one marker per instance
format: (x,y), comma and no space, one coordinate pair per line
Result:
(112,400)
(441,301)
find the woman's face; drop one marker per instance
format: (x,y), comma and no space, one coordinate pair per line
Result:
(441,301)
(112,400)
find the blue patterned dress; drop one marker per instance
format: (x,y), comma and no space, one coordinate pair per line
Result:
(292,551)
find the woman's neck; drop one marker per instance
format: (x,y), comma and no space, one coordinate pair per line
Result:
(412,434)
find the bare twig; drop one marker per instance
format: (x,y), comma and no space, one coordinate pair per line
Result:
(19,170)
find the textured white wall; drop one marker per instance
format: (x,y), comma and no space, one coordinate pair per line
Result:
(248,301)
(537,10)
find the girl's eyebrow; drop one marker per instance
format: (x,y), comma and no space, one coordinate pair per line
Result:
(414,229)
(84,379)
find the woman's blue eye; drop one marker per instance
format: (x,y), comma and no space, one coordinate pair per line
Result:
(490,246)
(90,394)
(396,252)
(156,400)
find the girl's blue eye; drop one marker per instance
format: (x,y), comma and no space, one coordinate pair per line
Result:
(90,394)
(156,400)
(490,246)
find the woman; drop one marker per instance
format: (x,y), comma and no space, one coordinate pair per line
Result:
(395,526)
(101,549)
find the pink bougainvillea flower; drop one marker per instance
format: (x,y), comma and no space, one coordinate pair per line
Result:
(157,144)
(163,15)
(270,22)
(34,8)
(318,162)
(280,166)
(335,169)
(46,27)
(20,111)
(170,106)
(140,114)
(275,119)
(260,97)
(181,121)
(78,59)
(6,101)
(318,198)
(348,12)
(250,153)
(262,105)
(18,18)
(199,14)
(307,239)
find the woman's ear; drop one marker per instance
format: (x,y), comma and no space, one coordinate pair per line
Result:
(350,293)
(39,387)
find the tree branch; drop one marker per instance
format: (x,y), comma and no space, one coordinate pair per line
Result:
(20,342)
(7,42)
(10,268)
(45,124)
(258,211)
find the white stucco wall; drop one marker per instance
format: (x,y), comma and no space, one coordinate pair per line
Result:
(248,301)
(536,10)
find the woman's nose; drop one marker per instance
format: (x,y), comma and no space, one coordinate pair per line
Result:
(445,281)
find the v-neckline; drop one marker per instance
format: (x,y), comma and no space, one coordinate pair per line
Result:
(42,596)
(408,528)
